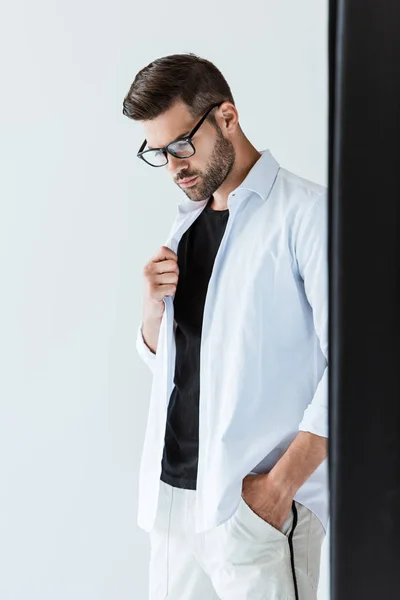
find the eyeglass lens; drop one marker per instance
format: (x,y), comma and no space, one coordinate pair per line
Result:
(180,149)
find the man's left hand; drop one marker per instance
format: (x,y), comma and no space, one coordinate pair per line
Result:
(266,500)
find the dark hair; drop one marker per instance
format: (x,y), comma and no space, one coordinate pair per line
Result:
(186,77)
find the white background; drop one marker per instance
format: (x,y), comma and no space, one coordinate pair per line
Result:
(80,216)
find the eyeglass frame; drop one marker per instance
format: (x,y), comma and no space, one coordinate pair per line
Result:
(186,138)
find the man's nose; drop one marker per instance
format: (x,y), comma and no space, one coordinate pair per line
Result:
(176,165)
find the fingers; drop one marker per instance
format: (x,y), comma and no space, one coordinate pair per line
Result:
(161,275)
(164,253)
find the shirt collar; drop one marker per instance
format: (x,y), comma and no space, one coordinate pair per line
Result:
(259,180)
(261,176)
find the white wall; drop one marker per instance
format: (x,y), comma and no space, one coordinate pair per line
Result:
(80,215)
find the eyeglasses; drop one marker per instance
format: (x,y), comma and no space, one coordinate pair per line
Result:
(180,148)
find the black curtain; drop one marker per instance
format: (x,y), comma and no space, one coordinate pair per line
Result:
(364,189)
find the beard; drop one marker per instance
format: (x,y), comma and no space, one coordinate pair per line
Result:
(217,170)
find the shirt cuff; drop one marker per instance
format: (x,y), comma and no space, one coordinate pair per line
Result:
(315,418)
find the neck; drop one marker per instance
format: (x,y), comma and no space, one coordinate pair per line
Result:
(246,156)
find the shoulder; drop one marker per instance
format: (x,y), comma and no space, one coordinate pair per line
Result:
(298,191)
(299,199)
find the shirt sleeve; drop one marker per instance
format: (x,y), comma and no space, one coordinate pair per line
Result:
(312,259)
(143,350)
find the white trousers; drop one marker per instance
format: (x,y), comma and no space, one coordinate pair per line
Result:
(245,558)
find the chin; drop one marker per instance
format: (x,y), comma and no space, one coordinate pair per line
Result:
(191,196)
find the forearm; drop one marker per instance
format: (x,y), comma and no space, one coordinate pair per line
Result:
(303,456)
(150,331)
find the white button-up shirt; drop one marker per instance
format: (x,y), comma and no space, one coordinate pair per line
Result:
(264,345)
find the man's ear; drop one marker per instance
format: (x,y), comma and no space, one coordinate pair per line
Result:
(229,117)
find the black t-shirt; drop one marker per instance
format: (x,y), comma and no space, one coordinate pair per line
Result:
(196,254)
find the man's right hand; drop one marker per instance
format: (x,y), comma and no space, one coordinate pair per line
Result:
(161,276)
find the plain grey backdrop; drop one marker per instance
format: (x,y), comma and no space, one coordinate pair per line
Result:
(80,216)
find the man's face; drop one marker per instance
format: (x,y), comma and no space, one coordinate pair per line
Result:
(214,157)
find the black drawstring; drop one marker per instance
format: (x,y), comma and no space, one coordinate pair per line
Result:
(296,591)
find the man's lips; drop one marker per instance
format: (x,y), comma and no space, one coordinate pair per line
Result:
(187,181)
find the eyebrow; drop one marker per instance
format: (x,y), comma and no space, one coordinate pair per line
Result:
(178,137)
